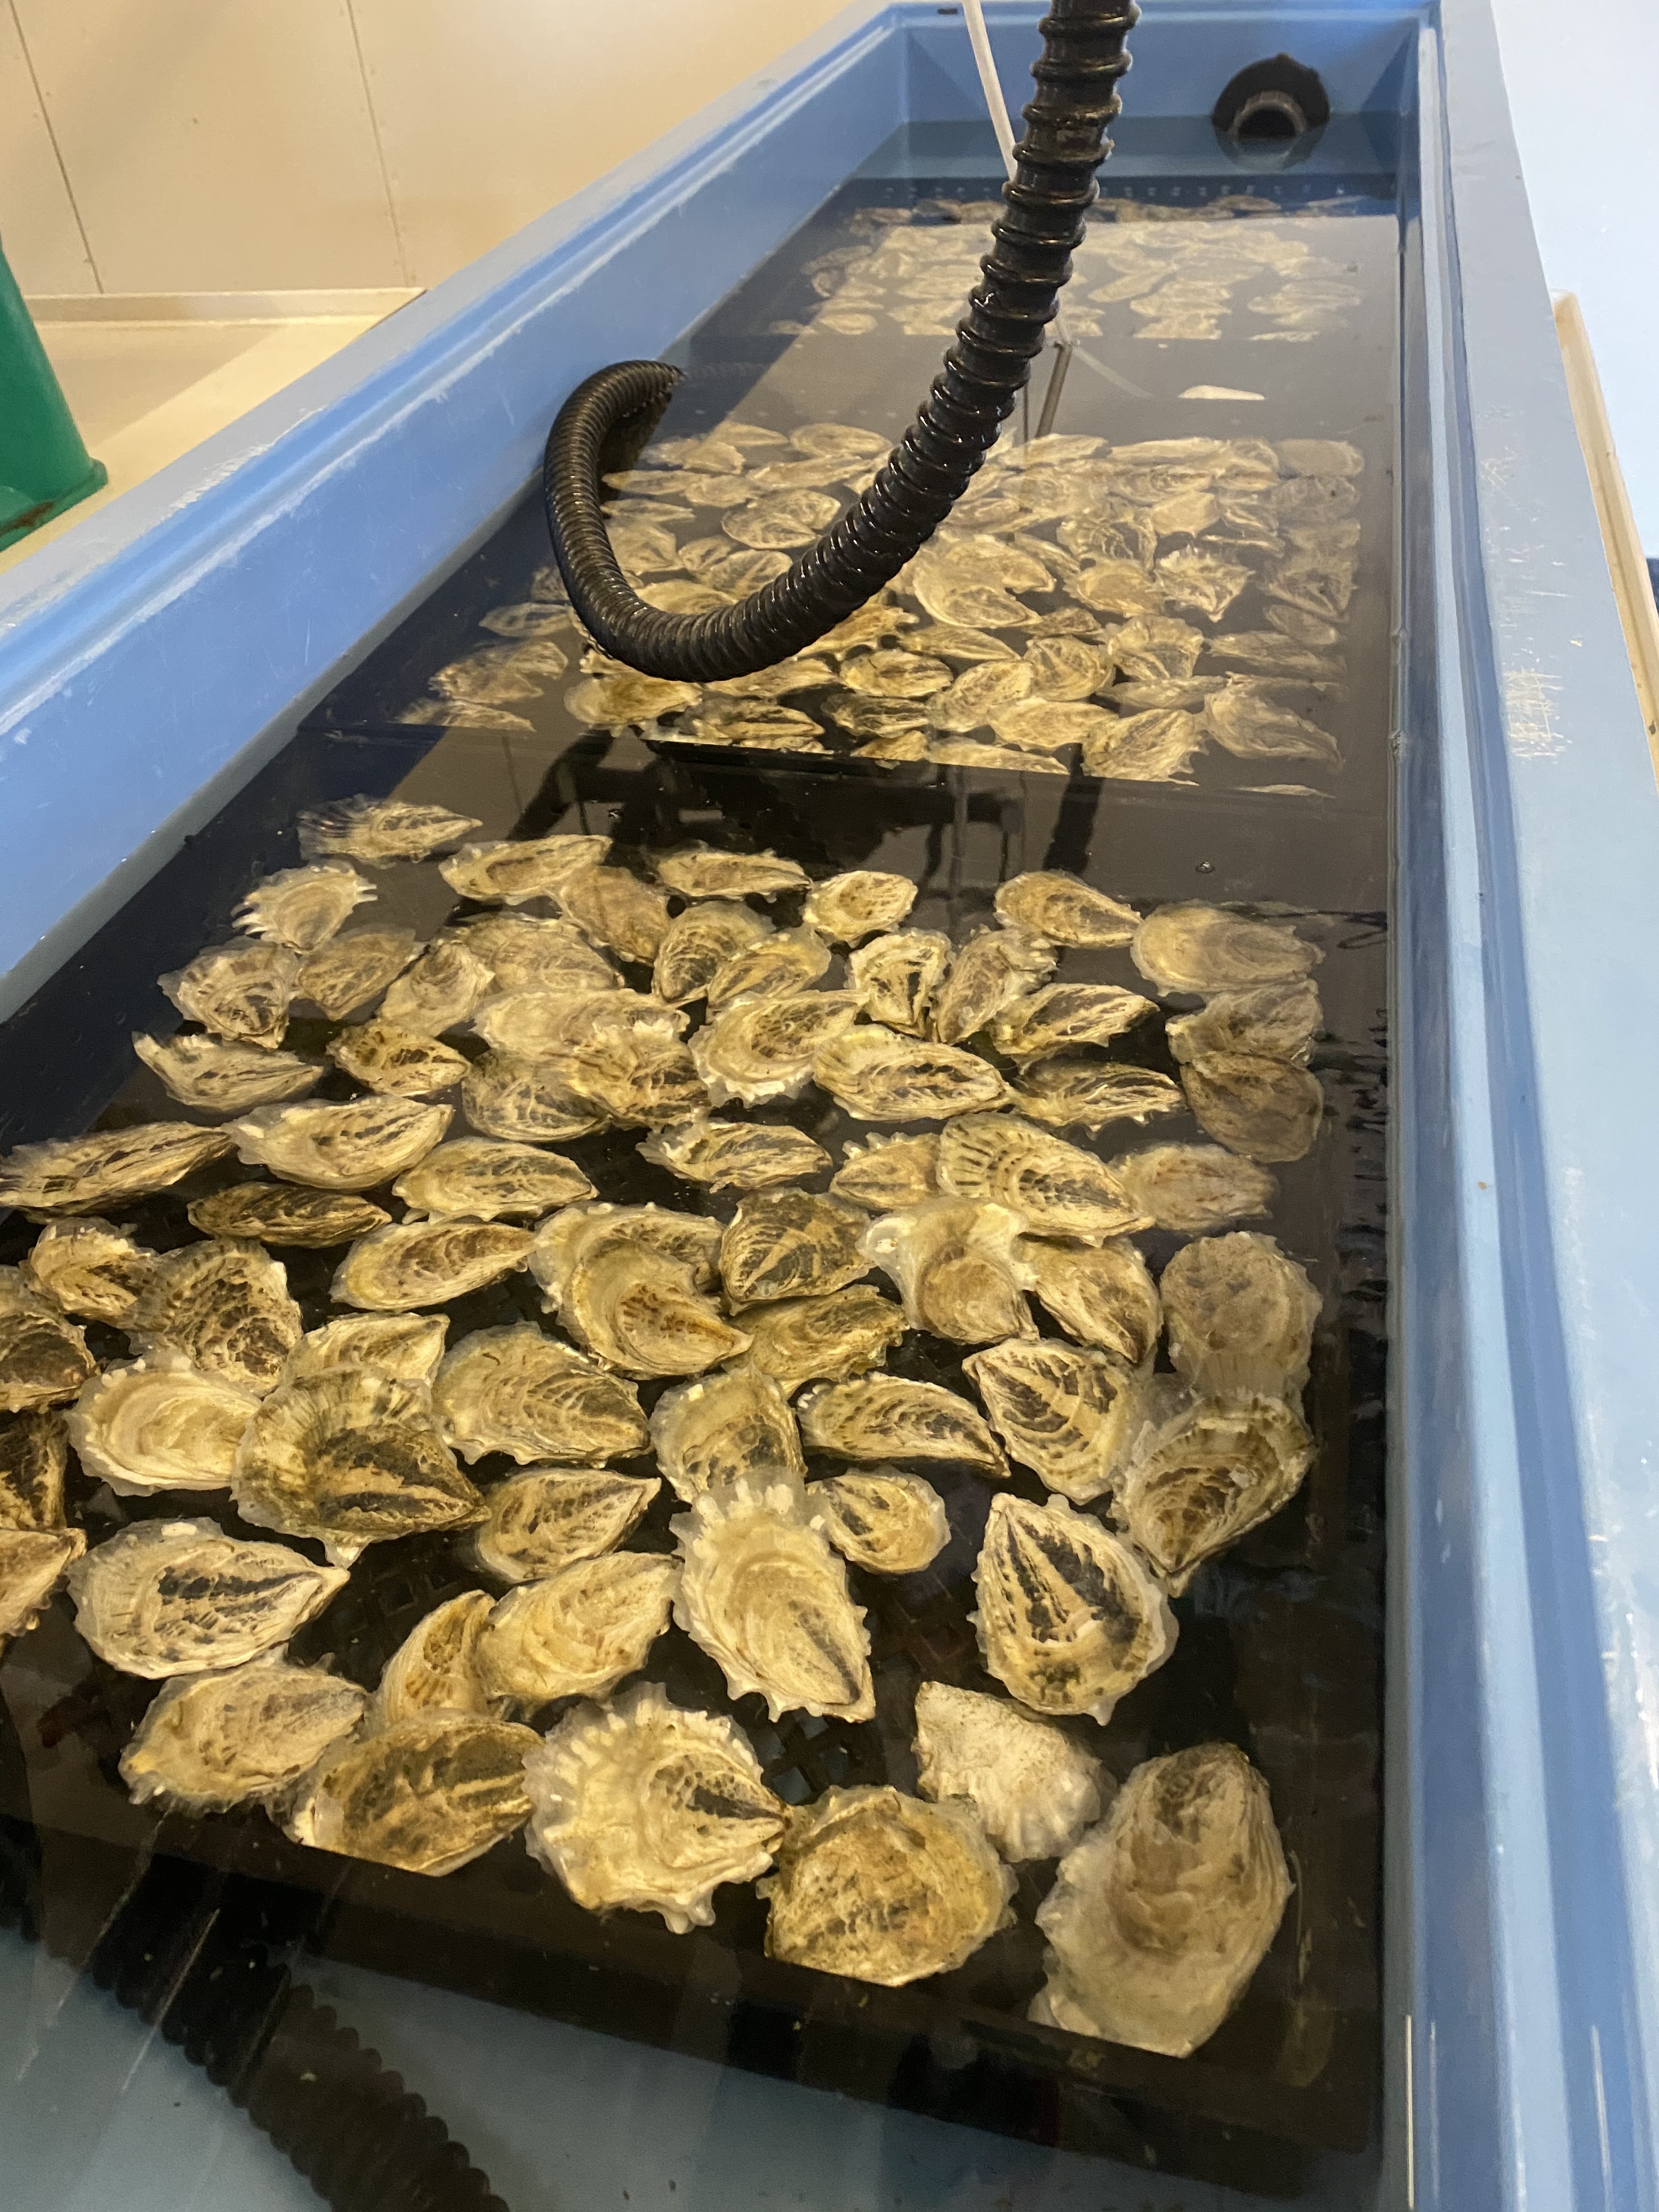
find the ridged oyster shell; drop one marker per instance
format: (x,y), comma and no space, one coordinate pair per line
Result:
(952,1260)
(524,953)
(401,1063)
(578,1235)
(435,1668)
(303,907)
(427,1263)
(1102,1295)
(777,966)
(75,1175)
(614,909)
(88,1269)
(1064,1015)
(350,1147)
(438,992)
(1277,1021)
(1057,1189)
(517,1391)
(526,1101)
(179,1597)
(429,1795)
(849,908)
(380,829)
(637,1076)
(160,1424)
(640,1309)
(648,1809)
(888,1175)
(875,1418)
(1160,1917)
(242,1736)
(700,873)
(889,1523)
(44,1359)
(350,972)
(240,992)
(33,1455)
(1240,1314)
(896,977)
(225,1304)
(1065,910)
(1265,1109)
(725,1427)
(698,943)
(763,1595)
(549,1517)
(578,1633)
(796,1340)
(1092,1092)
(768,1048)
(513,870)
(988,973)
(220,1077)
(286,1213)
(407,1346)
(1070,1618)
(884,1888)
(1192,947)
(1034,1788)
(1069,1415)
(480,1178)
(790,1243)
(878,1075)
(1213,1471)
(33,1562)
(548,1024)
(1195,1186)
(748,1155)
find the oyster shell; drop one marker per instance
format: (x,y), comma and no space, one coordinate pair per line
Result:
(700,873)
(435,1668)
(406,1347)
(1035,1790)
(1062,909)
(883,1888)
(1092,1092)
(1154,747)
(481,1178)
(1070,1618)
(403,1062)
(1204,948)
(350,1147)
(615,909)
(1209,1476)
(344,975)
(776,966)
(1240,1314)
(243,1737)
(1195,1186)
(429,1796)
(517,1391)
(640,1310)
(178,1597)
(1057,1188)
(952,1261)
(438,992)
(1054,1020)
(994,969)
(526,1101)
(33,1454)
(548,1024)
(639,1077)
(88,1269)
(286,1213)
(789,1243)
(768,1048)
(240,991)
(1279,1021)
(350,1458)
(697,944)
(1103,1296)
(848,908)
(1070,1416)
(220,1077)
(578,1633)
(550,1517)
(44,1360)
(888,1175)
(877,1075)
(160,1424)
(875,1418)
(1253,727)
(796,1340)
(72,1174)
(725,1427)
(380,829)
(33,1562)
(224,1304)
(303,907)
(721,1154)
(1266,1109)
(896,977)
(427,1263)
(763,1595)
(525,954)
(579,1234)
(888,1522)
(512,870)
(648,1809)
(1160,1917)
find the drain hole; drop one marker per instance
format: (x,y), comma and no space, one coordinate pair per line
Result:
(1274,108)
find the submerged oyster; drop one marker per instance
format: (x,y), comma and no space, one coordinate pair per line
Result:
(160,1424)
(33,1455)
(615,909)
(849,908)
(1161,1915)
(994,969)
(888,1522)
(548,1024)
(71,1174)
(344,975)
(350,1147)
(513,870)
(220,1077)
(1057,1188)
(797,1341)
(700,873)
(426,1794)
(1092,1092)
(768,1048)
(427,1263)
(896,977)
(1070,1618)
(746,1154)
(1240,1314)
(1035,1790)
(1063,909)
(697,944)
(1070,1416)
(1204,948)
(1209,1476)
(439,991)
(1103,1296)
(581,1234)
(763,1595)
(514,1391)
(303,908)
(380,829)
(1065,1015)
(1279,1021)
(790,1243)
(728,1426)
(238,991)
(878,1075)
(480,1178)
(286,1213)
(648,1809)
(888,1175)
(625,1280)
(776,966)
(178,1597)
(879,1417)
(1256,728)
(525,1101)
(525,954)
(240,1737)
(44,1360)
(638,1076)
(407,1346)
(578,1633)
(33,1562)
(403,1062)
(89,1268)
(1195,1186)
(550,1517)
(883,1888)
(224,1304)
(1266,1109)
(435,1668)
(952,1259)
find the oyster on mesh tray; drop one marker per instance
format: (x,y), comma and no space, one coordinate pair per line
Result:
(524,953)
(73,1175)
(179,1597)
(952,1259)
(378,830)
(777,966)
(438,992)
(240,991)
(480,1178)
(427,1263)
(286,1213)
(1161,1915)
(883,1888)
(882,1520)
(991,970)
(878,1075)
(616,910)
(526,1102)
(876,1418)
(350,1147)
(426,1794)
(1195,1186)
(896,977)
(402,1062)
(1204,948)
(1034,1788)
(435,1668)
(725,1427)
(160,1424)
(1101,1295)
(849,908)
(517,1391)
(303,907)
(1092,1092)
(627,1282)
(1278,1021)
(1065,1015)
(511,871)
(697,944)
(350,1458)
(44,1359)
(796,1340)
(221,1077)
(578,1633)
(349,972)
(792,1244)
(407,1346)
(225,1305)
(89,1268)
(648,1809)
(746,1155)
(1210,1473)
(33,1455)
(242,1736)
(549,1517)
(1062,909)
(1057,1187)
(1240,1314)
(763,1595)
(700,873)
(1267,1110)
(1071,1416)
(888,1175)
(32,1563)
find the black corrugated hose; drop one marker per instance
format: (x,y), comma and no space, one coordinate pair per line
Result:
(997,340)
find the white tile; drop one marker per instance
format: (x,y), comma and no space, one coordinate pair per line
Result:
(215,145)
(42,239)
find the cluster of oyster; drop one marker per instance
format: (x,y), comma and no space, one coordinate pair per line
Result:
(728,1349)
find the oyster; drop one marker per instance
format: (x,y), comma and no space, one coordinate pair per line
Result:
(435,1668)
(648,1809)
(700,873)
(889,1523)
(1257,728)
(428,1794)
(526,1101)
(697,944)
(952,1261)
(883,1888)
(1266,1109)
(1057,1188)
(763,1595)
(994,969)
(789,1243)
(303,908)
(1093,1092)
(160,1424)
(550,1517)
(746,1154)
(774,967)
(286,1213)
(875,1418)
(1070,1618)
(1034,1788)
(888,1175)
(70,1174)
(240,991)
(548,1024)
(346,974)
(578,1633)
(1240,1314)
(1204,948)
(380,829)
(438,992)
(640,1310)
(639,1077)
(514,1391)
(224,1304)
(1160,1917)
(1150,650)
(580,1234)
(1067,1014)
(44,1360)
(979,695)
(796,1340)
(221,1077)
(1209,1476)
(33,1454)
(877,1075)
(352,1147)
(896,977)
(406,1347)
(481,1178)
(33,1562)
(525,954)
(848,908)
(427,1263)
(725,1427)
(403,1062)
(513,870)
(1070,1416)
(1062,909)
(178,1597)
(1155,747)
(350,1458)
(1103,1296)
(1195,1186)
(768,1048)
(88,1269)
(1278,1021)
(244,1736)
(615,909)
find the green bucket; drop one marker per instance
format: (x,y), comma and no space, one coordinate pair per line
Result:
(44,466)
